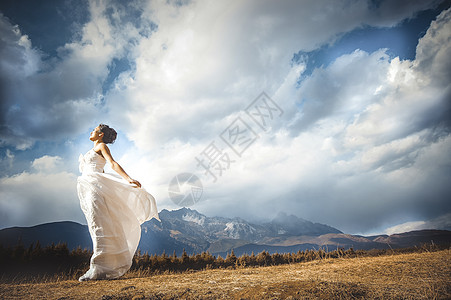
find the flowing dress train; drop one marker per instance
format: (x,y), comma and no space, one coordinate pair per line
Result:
(114,211)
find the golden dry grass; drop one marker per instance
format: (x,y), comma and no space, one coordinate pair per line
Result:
(405,276)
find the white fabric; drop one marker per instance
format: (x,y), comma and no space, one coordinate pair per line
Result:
(114,210)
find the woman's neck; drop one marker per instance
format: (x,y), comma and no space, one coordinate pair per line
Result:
(96,143)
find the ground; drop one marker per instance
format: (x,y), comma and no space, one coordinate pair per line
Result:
(402,276)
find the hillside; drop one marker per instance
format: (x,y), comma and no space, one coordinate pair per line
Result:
(190,230)
(404,276)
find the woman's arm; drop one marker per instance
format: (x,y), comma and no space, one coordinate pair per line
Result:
(115,166)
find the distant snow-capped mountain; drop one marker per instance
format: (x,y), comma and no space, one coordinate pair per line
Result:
(190,230)
(213,228)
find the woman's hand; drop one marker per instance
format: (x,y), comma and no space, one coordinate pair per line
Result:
(135,182)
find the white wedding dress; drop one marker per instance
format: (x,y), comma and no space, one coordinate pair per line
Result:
(114,210)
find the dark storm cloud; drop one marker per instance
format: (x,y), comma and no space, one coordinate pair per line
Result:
(49,24)
(389,13)
(53,98)
(39,100)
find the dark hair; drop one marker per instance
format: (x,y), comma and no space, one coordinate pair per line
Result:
(109,134)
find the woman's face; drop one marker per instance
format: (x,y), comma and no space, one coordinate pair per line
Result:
(96,134)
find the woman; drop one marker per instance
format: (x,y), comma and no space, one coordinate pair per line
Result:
(114,208)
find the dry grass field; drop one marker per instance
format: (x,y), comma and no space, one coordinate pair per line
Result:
(424,275)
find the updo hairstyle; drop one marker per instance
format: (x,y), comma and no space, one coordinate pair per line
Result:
(109,134)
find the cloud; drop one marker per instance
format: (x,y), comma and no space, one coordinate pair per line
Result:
(362,142)
(344,88)
(46,193)
(53,98)
(442,222)
(433,51)
(7,161)
(181,56)
(383,121)
(406,227)
(206,61)
(351,134)
(46,163)
(389,13)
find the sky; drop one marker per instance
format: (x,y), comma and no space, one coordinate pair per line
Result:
(336,111)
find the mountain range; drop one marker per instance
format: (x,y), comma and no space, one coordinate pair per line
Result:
(190,230)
